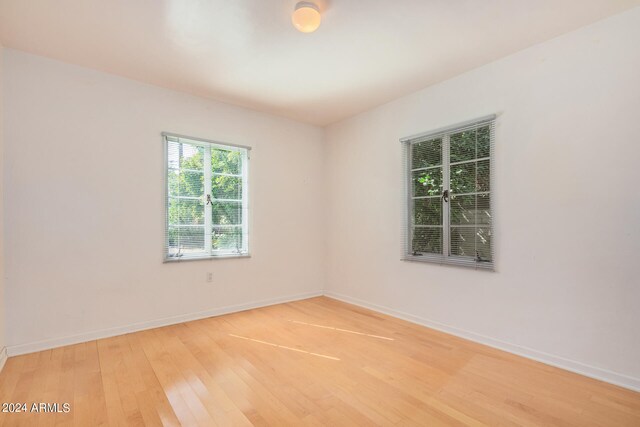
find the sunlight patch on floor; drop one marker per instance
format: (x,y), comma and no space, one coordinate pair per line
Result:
(342,330)
(284,347)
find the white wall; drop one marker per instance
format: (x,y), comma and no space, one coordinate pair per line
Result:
(84,205)
(566,194)
(3,354)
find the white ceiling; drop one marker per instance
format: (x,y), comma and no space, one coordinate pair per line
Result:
(246,52)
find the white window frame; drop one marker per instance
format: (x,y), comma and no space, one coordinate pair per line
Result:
(408,226)
(208,174)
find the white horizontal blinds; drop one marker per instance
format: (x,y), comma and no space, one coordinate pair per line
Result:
(228,210)
(449,218)
(185,202)
(426,190)
(470,188)
(207,203)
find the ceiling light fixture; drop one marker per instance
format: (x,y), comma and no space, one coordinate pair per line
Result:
(306,17)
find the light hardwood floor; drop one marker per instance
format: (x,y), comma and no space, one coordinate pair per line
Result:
(312,362)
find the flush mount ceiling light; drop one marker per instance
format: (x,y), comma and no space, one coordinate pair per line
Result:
(306,17)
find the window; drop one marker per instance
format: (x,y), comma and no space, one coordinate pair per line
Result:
(206,199)
(448,187)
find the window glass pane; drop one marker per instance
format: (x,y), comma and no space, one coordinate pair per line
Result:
(427,211)
(192,157)
(427,240)
(427,182)
(225,161)
(463,210)
(471,242)
(463,146)
(483,243)
(483,179)
(184,156)
(426,153)
(189,184)
(483,212)
(225,213)
(186,212)
(173,157)
(484,141)
(463,178)
(463,241)
(227,239)
(173,182)
(186,240)
(226,187)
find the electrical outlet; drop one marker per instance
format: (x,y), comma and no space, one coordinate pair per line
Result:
(209,277)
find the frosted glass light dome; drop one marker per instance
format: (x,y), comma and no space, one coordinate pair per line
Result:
(306,17)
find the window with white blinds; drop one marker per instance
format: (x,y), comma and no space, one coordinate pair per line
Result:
(206,199)
(448,216)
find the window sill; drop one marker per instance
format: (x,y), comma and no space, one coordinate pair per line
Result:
(461,262)
(207,257)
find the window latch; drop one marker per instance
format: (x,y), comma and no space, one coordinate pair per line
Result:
(209,199)
(479,258)
(445,196)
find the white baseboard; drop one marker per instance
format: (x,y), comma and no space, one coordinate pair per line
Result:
(3,357)
(549,359)
(16,350)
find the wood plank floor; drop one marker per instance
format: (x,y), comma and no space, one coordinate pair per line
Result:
(311,362)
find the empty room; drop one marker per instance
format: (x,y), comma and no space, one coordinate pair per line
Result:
(323,212)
